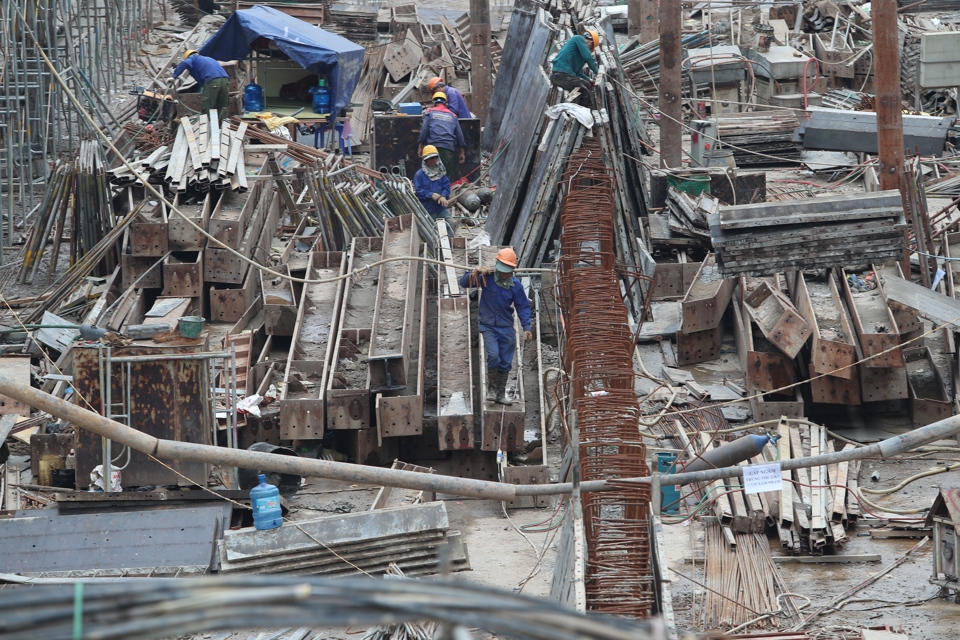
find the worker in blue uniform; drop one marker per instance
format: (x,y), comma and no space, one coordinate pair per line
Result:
(455,101)
(500,295)
(441,128)
(212,79)
(432,186)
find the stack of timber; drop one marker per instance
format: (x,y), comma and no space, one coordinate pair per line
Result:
(357,22)
(766,238)
(817,504)
(411,537)
(767,132)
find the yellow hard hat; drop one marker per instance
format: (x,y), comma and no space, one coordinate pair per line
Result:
(189,53)
(439,95)
(429,151)
(508,257)
(433,83)
(594,38)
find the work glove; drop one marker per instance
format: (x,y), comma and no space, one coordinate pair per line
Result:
(484,271)
(527,336)
(442,201)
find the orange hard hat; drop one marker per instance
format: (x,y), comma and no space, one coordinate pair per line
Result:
(593,37)
(508,257)
(433,83)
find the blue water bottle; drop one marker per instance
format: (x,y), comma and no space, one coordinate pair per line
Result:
(265,500)
(321,98)
(253,97)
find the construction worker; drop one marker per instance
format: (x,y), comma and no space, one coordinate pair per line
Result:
(455,101)
(500,295)
(567,72)
(433,186)
(212,79)
(442,130)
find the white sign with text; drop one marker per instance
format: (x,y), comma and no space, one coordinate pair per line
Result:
(758,478)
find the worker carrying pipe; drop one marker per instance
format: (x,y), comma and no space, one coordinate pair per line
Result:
(567,72)
(213,81)
(500,294)
(455,100)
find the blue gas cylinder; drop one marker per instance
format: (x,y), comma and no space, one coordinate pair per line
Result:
(253,97)
(265,500)
(321,98)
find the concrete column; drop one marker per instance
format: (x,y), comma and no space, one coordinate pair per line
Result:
(671,106)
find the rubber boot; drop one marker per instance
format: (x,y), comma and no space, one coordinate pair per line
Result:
(502,389)
(492,376)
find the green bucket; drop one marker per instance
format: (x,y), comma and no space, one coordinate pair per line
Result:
(693,184)
(191,326)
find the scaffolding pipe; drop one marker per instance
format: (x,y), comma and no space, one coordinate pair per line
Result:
(171,450)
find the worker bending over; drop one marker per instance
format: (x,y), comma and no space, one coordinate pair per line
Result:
(214,85)
(455,101)
(433,186)
(442,130)
(500,295)
(568,65)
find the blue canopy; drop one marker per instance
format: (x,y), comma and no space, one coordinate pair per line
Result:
(311,47)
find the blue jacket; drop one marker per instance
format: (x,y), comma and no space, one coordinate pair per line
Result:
(495,302)
(574,54)
(425,188)
(456,103)
(441,129)
(201,68)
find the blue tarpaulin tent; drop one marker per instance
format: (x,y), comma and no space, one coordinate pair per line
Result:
(311,47)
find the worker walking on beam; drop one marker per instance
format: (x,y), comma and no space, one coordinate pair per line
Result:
(568,66)
(213,81)
(455,101)
(433,186)
(441,129)
(500,295)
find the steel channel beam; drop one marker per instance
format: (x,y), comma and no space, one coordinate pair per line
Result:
(454,376)
(394,308)
(875,326)
(400,413)
(706,300)
(302,408)
(348,404)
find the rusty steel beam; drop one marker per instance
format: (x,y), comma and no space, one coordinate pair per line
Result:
(302,409)
(481,65)
(454,374)
(777,318)
(706,299)
(400,413)
(764,370)
(348,400)
(876,328)
(394,307)
(671,81)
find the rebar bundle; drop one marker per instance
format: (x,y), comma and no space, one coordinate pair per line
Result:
(598,355)
(90,43)
(79,192)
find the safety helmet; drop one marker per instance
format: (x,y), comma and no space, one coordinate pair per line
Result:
(508,257)
(592,37)
(439,95)
(189,53)
(433,83)
(429,151)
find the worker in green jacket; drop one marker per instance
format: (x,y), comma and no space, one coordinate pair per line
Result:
(568,65)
